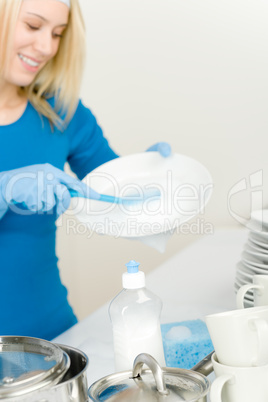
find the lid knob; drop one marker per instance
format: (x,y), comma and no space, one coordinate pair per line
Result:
(145,358)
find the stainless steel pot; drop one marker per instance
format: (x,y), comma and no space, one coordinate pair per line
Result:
(29,364)
(143,385)
(73,387)
(154,384)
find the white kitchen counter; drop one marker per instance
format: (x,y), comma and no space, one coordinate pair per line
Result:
(197,281)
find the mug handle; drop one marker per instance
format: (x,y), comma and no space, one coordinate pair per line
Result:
(217,386)
(261,326)
(241,293)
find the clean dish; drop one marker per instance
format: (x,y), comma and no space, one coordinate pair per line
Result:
(243,271)
(254,247)
(248,303)
(255,261)
(263,258)
(185,186)
(259,235)
(260,218)
(258,242)
(244,277)
(255,269)
(240,281)
(254,226)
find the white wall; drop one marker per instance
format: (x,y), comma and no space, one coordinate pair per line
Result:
(190,72)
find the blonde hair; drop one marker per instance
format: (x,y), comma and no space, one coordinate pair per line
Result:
(61,77)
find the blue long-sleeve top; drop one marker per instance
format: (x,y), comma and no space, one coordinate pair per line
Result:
(33,300)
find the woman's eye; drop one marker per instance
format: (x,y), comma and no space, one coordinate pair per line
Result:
(33,27)
(57,35)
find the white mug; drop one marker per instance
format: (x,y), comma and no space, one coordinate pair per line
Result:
(240,337)
(239,384)
(260,294)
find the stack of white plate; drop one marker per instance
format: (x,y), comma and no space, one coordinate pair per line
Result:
(254,258)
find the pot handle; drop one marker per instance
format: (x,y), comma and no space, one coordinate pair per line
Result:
(145,358)
(204,367)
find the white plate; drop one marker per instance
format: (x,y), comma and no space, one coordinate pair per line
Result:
(254,226)
(242,271)
(254,247)
(184,183)
(241,281)
(258,242)
(261,257)
(248,303)
(255,261)
(260,218)
(260,235)
(256,270)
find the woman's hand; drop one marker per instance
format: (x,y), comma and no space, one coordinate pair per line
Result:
(39,188)
(162,147)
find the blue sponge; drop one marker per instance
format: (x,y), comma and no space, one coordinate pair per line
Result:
(185,343)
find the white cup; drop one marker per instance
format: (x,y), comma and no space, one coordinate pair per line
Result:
(239,384)
(240,337)
(260,291)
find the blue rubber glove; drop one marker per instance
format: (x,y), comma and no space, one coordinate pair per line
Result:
(39,188)
(162,147)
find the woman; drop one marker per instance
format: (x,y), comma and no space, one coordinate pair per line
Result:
(43,125)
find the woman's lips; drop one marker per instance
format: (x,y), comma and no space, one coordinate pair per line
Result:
(29,63)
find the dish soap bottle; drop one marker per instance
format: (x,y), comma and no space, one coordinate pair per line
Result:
(135,316)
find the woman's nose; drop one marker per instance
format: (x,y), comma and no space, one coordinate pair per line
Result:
(44,43)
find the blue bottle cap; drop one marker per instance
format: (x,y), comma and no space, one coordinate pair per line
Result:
(132,267)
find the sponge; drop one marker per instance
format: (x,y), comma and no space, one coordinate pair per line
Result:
(185,343)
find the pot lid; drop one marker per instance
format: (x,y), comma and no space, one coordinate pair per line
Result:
(150,385)
(27,364)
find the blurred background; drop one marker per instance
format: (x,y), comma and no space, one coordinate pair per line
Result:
(192,73)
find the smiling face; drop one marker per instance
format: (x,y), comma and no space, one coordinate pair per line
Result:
(38,32)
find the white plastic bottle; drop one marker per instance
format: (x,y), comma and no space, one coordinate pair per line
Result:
(135,315)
